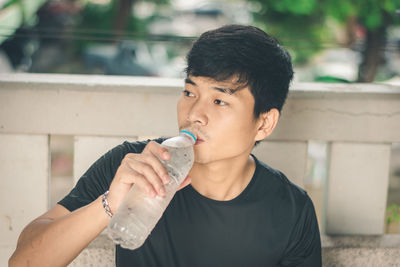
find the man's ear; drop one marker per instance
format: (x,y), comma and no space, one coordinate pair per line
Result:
(266,124)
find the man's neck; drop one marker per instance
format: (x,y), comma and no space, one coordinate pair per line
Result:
(223,180)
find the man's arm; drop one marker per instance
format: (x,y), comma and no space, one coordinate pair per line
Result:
(58,236)
(304,249)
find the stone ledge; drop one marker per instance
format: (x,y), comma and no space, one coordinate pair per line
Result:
(363,251)
(360,257)
(337,251)
(99,253)
(360,241)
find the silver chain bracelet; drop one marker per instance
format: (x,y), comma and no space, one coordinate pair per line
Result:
(106,206)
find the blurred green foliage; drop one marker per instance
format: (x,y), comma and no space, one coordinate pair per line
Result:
(393,214)
(102,16)
(302,24)
(95,16)
(9,3)
(371,13)
(299,7)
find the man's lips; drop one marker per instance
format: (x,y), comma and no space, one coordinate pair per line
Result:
(199,141)
(197,132)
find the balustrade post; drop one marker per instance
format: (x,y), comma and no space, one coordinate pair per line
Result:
(357,188)
(24,172)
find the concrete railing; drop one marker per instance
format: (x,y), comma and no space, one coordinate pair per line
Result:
(358,121)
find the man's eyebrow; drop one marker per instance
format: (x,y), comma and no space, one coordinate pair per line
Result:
(228,91)
(189,81)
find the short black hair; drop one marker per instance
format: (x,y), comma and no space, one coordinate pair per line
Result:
(251,55)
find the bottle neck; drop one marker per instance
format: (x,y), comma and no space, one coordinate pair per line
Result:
(190,136)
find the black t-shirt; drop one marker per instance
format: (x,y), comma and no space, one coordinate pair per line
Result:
(271,223)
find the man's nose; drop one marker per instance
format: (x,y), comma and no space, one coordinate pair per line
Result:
(197,114)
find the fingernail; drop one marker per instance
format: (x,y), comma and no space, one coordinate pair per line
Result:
(165,179)
(166,155)
(162,191)
(152,193)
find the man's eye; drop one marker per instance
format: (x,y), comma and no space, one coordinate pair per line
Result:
(220,102)
(187,93)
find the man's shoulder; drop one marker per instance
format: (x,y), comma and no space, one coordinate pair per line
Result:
(278,186)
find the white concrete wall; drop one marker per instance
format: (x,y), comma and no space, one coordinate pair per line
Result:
(24,179)
(357,188)
(359,122)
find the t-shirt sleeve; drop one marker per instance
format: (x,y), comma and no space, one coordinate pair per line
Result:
(97,179)
(304,248)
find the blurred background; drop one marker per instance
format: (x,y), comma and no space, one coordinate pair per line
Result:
(330,41)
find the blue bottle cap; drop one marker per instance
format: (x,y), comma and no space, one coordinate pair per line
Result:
(189,133)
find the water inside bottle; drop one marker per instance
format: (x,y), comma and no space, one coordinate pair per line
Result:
(139,213)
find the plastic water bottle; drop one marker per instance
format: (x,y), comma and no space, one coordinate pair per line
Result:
(138,214)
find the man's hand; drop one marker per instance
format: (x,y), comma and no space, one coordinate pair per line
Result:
(145,170)
(58,236)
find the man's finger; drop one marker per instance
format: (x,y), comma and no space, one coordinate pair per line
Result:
(158,167)
(147,171)
(157,150)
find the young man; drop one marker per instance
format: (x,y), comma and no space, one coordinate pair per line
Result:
(237,211)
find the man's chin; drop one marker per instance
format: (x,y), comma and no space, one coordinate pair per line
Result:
(200,159)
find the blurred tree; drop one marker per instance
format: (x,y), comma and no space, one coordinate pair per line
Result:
(117,16)
(303,22)
(375,16)
(298,24)
(123,12)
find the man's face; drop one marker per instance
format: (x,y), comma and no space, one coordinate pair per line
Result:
(223,121)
